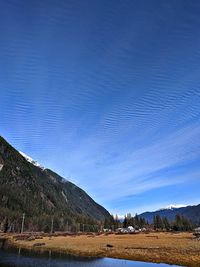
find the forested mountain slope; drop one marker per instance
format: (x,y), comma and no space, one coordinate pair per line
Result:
(190,212)
(41,194)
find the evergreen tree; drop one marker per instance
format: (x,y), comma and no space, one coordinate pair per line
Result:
(137,220)
(158,223)
(178,225)
(6,225)
(142,222)
(116,222)
(125,222)
(181,224)
(166,224)
(187,225)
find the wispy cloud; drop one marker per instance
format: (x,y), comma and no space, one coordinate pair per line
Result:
(112,177)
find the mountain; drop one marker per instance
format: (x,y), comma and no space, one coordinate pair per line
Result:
(29,159)
(26,187)
(172,206)
(190,212)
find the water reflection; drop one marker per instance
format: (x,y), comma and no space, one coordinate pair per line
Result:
(12,257)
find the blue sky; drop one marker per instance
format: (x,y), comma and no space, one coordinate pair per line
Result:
(107,94)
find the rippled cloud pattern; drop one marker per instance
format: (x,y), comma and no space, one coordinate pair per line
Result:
(106,93)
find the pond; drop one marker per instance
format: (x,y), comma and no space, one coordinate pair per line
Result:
(13,257)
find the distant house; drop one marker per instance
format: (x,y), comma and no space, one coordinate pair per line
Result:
(144,229)
(122,230)
(106,230)
(197,232)
(129,229)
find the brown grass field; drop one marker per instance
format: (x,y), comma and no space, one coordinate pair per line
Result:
(172,248)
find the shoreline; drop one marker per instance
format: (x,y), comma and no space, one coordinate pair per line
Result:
(170,248)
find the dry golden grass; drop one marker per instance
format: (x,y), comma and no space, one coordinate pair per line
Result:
(181,249)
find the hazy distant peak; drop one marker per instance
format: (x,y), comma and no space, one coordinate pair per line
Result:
(174,206)
(32,161)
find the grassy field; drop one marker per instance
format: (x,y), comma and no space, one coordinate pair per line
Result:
(181,248)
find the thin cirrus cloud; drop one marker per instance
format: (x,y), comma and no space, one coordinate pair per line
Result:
(138,171)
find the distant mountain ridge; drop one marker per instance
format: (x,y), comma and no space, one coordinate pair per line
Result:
(172,206)
(190,212)
(26,187)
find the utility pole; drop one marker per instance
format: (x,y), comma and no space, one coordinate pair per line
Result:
(22,228)
(78,227)
(52,226)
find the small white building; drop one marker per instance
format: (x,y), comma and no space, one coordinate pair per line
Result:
(106,230)
(197,230)
(143,229)
(131,229)
(121,230)
(197,233)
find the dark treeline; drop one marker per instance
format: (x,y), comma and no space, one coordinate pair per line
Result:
(180,223)
(11,221)
(136,221)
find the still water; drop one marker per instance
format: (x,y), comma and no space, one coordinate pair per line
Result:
(12,257)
